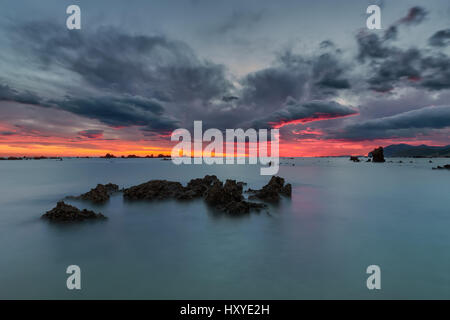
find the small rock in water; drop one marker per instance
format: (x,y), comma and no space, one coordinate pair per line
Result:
(377,155)
(445,167)
(66,213)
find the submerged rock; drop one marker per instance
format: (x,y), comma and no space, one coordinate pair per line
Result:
(64,213)
(377,155)
(100,193)
(445,167)
(271,191)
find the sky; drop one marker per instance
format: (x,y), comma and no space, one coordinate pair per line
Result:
(138,70)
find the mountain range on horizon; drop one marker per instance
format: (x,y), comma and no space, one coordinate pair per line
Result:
(406,150)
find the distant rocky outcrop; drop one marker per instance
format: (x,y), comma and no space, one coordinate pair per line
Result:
(31,158)
(100,194)
(271,192)
(377,155)
(445,167)
(421,151)
(354,159)
(66,213)
(108,156)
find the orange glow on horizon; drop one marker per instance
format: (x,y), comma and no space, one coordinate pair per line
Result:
(59,147)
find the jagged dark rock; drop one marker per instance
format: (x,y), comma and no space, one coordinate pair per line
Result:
(66,213)
(354,159)
(445,167)
(154,190)
(220,194)
(198,187)
(226,197)
(377,155)
(99,194)
(229,198)
(271,191)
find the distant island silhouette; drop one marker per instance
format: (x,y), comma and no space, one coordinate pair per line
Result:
(394,150)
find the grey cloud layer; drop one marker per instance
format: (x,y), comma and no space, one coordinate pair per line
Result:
(406,124)
(134,64)
(297,76)
(391,66)
(440,39)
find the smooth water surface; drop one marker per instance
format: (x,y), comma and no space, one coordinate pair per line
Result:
(342,217)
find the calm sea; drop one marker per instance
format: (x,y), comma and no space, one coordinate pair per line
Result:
(342,217)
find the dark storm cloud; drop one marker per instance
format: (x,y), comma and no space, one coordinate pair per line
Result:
(119,112)
(115,111)
(437,70)
(399,65)
(370,46)
(9,94)
(91,134)
(406,124)
(294,111)
(390,65)
(127,80)
(7,133)
(297,76)
(110,59)
(391,33)
(415,16)
(440,39)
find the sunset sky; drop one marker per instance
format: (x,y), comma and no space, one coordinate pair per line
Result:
(137,70)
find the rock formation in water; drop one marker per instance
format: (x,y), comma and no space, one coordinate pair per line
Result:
(354,159)
(99,194)
(66,213)
(271,192)
(445,167)
(154,190)
(226,197)
(377,155)
(198,187)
